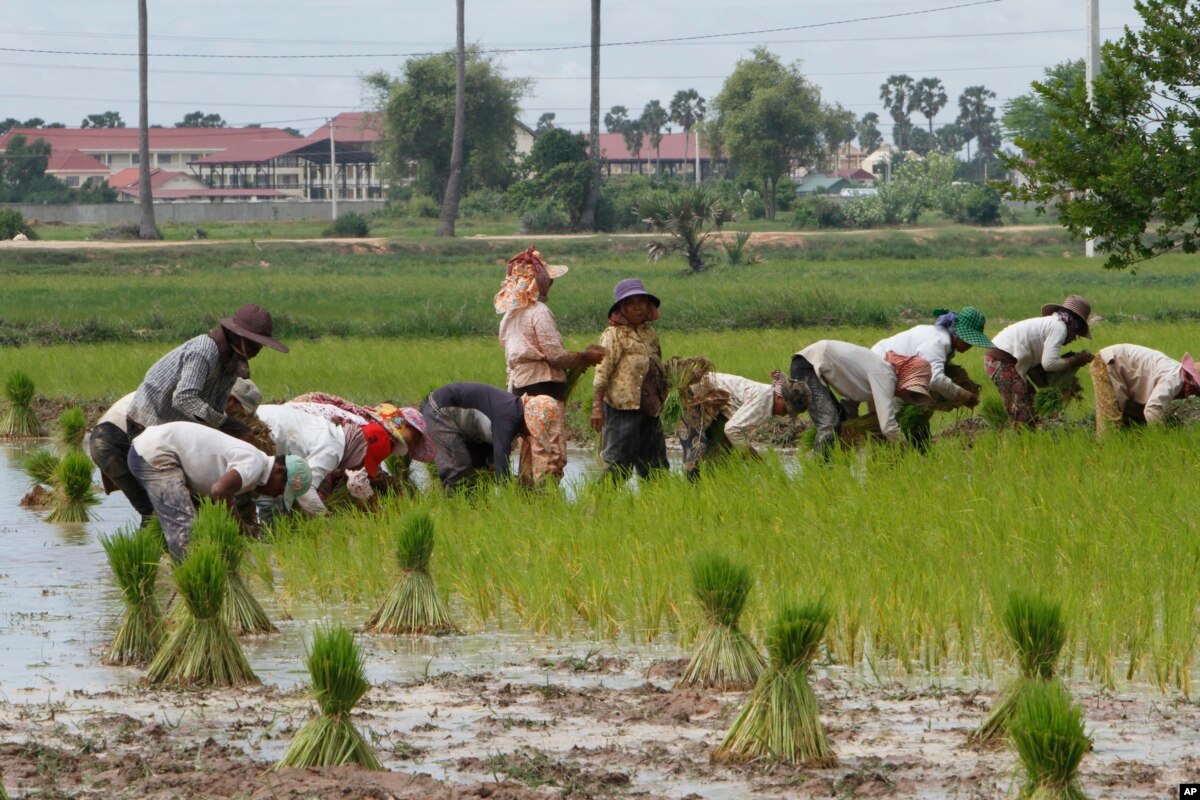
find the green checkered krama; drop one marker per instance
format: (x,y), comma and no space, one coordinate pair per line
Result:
(968,326)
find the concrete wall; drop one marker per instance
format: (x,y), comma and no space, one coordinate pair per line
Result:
(191,213)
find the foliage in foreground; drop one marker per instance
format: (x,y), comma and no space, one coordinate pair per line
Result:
(689,217)
(1047,731)
(242,611)
(724,659)
(134,558)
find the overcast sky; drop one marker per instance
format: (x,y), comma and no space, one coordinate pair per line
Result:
(1002,45)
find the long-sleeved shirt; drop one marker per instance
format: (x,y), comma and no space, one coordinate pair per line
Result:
(318,441)
(533,347)
(932,344)
(189,384)
(1143,376)
(204,456)
(505,412)
(1034,341)
(857,374)
(118,412)
(750,405)
(621,373)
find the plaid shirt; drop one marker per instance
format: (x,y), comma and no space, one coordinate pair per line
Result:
(188,384)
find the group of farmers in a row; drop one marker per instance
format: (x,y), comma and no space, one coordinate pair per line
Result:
(195,426)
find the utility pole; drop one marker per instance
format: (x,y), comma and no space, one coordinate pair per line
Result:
(332,170)
(1092,63)
(697,130)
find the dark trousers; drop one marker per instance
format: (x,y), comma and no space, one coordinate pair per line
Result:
(632,442)
(825,411)
(109,449)
(555,389)
(460,461)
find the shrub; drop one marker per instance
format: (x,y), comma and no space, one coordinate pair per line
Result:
(484,203)
(350,224)
(421,206)
(751,203)
(818,212)
(12,223)
(785,194)
(978,205)
(546,216)
(864,212)
(620,199)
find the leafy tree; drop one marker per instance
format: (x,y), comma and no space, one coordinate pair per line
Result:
(417,110)
(687,108)
(23,177)
(869,137)
(545,122)
(558,169)
(654,119)
(109,119)
(768,118)
(898,94)
(929,98)
(198,119)
(839,128)
(9,124)
(690,217)
(950,138)
(33,122)
(921,141)
(54,125)
(616,119)
(975,113)
(1030,116)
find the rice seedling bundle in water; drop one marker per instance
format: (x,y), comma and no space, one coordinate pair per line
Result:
(243,613)
(413,605)
(1038,632)
(335,663)
(40,465)
(781,721)
(19,417)
(74,493)
(1047,730)
(134,558)
(72,425)
(725,659)
(201,650)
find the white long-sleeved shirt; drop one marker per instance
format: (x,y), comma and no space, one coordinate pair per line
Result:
(1144,376)
(1034,341)
(932,344)
(858,374)
(318,441)
(750,405)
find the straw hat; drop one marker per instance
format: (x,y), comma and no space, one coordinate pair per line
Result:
(1188,366)
(1077,305)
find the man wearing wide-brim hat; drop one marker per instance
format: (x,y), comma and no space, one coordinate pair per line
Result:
(1136,385)
(192,382)
(1032,347)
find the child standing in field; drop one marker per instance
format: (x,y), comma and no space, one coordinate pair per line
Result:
(630,385)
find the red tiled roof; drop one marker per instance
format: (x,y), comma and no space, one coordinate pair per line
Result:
(854,174)
(93,139)
(74,161)
(182,194)
(352,126)
(132,176)
(612,147)
(254,152)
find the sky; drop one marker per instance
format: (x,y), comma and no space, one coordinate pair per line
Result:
(309,56)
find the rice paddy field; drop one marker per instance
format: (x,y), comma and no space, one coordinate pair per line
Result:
(575,609)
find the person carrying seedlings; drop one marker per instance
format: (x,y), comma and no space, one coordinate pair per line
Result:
(857,374)
(534,356)
(937,343)
(473,424)
(1135,385)
(1024,355)
(192,382)
(181,460)
(630,386)
(721,411)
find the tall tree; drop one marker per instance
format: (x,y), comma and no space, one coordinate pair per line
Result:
(634,138)
(198,119)
(108,119)
(654,119)
(587,219)
(455,181)
(950,138)
(1030,116)
(975,113)
(147,229)
(930,98)
(687,108)
(839,128)
(545,122)
(897,95)
(869,137)
(616,119)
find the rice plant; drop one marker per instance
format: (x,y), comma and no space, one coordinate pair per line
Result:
(154,526)
(781,722)
(40,465)
(1037,631)
(201,650)
(994,413)
(20,419)
(1049,402)
(134,558)
(74,492)
(725,659)
(72,425)
(1047,730)
(335,663)
(242,612)
(413,605)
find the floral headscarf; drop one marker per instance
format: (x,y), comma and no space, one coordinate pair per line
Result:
(527,280)
(394,418)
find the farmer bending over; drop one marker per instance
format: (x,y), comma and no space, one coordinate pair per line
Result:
(1135,385)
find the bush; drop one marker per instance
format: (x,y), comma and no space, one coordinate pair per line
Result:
(751,203)
(547,216)
(349,225)
(785,194)
(978,205)
(12,223)
(864,212)
(818,212)
(424,206)
(620,199)
(484,203)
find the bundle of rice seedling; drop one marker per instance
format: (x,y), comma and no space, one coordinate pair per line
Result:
(201,650)
(242,612)
(1049,402)
(781,721)
(72,425)
(1047,730)
(134,556)
(335,663)
(686,387)
(74,492)
(413,605)
(994,413)
(40,465)
(1038,633)
(914,425)
(725,659)
(20,419)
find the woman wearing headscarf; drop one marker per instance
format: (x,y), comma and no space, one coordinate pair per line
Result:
(1023,353)
(953,332)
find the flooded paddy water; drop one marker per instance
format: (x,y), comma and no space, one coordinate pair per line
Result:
(486,714)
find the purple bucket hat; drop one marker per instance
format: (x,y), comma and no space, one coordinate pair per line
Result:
(631,287)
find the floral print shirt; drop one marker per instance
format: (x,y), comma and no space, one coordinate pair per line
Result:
(620,374)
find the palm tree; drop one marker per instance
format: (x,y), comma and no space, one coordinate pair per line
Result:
(634,137)
(689,217)
(616,119)
(587,218)
(930,98)
(454,182)
(147,229)
(654,119)
(896,93)
(687,108)
(975,114)
(869,137)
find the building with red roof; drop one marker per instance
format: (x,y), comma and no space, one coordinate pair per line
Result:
(676,155)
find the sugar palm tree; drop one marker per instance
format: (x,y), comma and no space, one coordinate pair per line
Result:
(654,119)
(930,99)
(454,183)
(975,113)
(148,229)
(687,108)
(897,96)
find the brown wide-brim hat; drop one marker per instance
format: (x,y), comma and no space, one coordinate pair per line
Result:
(254,322)
(1079,306)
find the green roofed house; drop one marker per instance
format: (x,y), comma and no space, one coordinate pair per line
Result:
(820,184)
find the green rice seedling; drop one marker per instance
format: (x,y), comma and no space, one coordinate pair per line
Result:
(1038,633)
(1047,730)
(242,612)
(914,424)
(413,605)
(201,650)
(994,413)
(74,492)
(780,721)
(72,425)
(725,659)
(154,526)
(1049,401)
(134,557)
(40,465)
(20,418)
(335,663)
